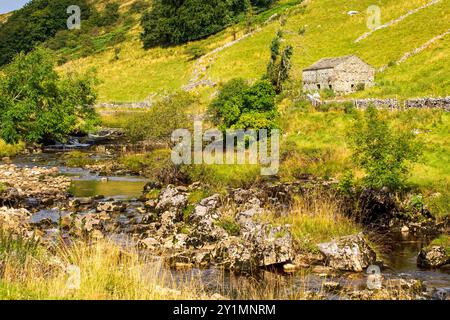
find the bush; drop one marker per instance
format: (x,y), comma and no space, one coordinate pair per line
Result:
(327,93)
(349,107)
(195,52)
(360,87)
(382,153)
(240,106)
(38,105)
(164,117)
(157,165)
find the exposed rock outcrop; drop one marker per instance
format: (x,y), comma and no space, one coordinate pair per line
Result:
(351,253)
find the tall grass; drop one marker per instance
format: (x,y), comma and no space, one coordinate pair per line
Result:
(314,219)
(9,150)
(106,271)
(109,272)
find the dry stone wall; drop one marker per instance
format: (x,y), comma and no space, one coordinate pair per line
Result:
(395,104)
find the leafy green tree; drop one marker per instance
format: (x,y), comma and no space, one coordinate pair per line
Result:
(280,63)
(38,21)
(382,153)
(171,22)
(240,106)
(36,104)
(263,3)
(111,14)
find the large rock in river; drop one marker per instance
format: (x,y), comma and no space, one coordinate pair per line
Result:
(171,199)
(433,257)
(350,253)
(263,246)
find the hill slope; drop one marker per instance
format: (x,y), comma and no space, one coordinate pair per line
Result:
(329,31)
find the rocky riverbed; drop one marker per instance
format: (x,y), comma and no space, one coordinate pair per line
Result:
(218,231)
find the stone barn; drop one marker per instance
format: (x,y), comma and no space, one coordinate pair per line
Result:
(342,75)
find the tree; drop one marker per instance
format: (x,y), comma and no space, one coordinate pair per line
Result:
(38,105)
(240,106)
(280,63)
(382,153)
(171,22)
(263,3)
(111,14)
(36,22)
(139,6)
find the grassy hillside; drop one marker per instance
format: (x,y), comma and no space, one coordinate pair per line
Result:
(329,31)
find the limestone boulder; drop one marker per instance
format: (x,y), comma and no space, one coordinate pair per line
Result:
(350,253)
(433,257)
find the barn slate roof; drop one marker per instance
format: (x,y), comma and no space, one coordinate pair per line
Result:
(329,63)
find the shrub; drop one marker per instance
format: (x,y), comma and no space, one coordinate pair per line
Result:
(327,93)
(349,107)
(346,183)
(240,106)
(195,52)
(157,165)
(360,87)
(37,104)
(382,153)
(164,117)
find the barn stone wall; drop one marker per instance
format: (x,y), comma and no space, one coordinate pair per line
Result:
(312,79)
(343,78)
(351,73)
